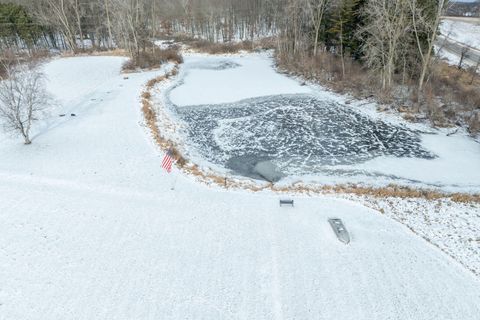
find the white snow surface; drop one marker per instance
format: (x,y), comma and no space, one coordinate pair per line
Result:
(203,86)
(90,229)
(449,225)
(456,167)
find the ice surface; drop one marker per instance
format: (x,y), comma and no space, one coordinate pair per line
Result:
(206,85)
(295,131)
(268,171)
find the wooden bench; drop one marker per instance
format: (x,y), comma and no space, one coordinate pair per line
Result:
(286,202)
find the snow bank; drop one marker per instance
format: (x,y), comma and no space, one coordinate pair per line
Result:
(457,166)
(449,225)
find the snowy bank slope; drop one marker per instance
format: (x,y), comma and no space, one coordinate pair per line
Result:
(89,229)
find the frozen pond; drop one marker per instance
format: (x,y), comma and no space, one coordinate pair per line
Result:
(238,112)
(299,133)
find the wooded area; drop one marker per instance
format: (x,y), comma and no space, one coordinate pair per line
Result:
(390,36)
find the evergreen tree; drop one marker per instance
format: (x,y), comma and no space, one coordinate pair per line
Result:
(18,28)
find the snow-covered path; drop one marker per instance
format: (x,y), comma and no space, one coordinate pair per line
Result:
(89,229)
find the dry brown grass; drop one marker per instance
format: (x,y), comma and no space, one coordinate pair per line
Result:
(9,58)
(459,93)
(326,68)
(101,53)
(151,118)
(221,48)
(153,59)
(450,97)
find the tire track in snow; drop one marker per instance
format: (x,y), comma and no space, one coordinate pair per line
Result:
(276,291)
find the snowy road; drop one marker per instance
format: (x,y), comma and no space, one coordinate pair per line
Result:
(89,229)
(471,55)
(460,37)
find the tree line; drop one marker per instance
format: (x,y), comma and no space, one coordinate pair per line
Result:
(388,36)
(130,24)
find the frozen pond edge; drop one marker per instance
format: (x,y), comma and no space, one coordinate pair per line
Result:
(368,172)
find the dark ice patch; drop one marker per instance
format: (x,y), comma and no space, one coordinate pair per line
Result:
(295,132)
(214,65)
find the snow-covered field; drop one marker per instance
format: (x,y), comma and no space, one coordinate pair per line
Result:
(90,229)
(235,111)
(453,227)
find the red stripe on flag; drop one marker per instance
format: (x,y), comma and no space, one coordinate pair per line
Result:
(167,162)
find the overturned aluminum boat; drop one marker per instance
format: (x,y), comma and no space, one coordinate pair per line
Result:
(339,229)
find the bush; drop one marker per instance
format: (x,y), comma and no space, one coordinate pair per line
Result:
(473,123)
(326,68)
(220,48)
(10,58)
(153,59)
(460,91)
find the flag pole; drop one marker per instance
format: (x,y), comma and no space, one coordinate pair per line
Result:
(167,162)
(174,182)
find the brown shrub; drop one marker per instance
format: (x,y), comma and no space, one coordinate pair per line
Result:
(458,83)
(220,48)
(9,58)
(473,123)
(153,59)
(154,81)
(327,69)
(458,89)
(174,71)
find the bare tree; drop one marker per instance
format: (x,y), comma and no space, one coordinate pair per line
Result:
(23,98)
(59,12)
(108,22)
(463,55)
(384,35)
(425,26)
(316,10)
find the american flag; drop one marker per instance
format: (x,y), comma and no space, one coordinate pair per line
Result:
(167,161)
